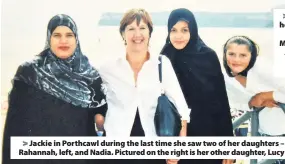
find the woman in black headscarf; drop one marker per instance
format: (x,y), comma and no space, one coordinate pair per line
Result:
(199,73)
(57,94)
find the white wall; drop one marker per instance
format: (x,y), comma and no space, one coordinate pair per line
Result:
(24,23)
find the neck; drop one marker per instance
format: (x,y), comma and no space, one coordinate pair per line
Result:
(137,58)
(136,62)
(241,79)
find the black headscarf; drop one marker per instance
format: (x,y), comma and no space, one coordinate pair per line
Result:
(67,79)
(195,43)
(199,73)
(196,55)
(196,64)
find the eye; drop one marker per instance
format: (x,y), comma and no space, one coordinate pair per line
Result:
(131,29)
(142,28)
(70,35)
(185,30)
(243,55)
(173,30)
(56,35)
(230,53)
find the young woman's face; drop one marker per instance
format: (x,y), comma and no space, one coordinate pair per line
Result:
(136,36)
(238,57)
(63,42)
(180,35)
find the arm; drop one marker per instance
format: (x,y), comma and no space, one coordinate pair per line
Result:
(183,131)
(18,104)
(279,93)
(217,98)
(100,112)
(269,98)
(174,93)
(223,116)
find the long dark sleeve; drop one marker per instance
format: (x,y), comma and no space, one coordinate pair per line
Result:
(224,121)
(219,101)
(33,112)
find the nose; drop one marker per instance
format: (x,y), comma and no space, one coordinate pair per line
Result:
(137,32)
(236,58)
(63,40)
(178,35)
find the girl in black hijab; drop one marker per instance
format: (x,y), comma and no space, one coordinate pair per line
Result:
(199,73)
(57,94)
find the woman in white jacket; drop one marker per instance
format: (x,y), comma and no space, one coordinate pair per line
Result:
(133,87)
(250,84)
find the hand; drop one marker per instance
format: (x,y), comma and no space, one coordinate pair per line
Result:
(269,104)
(99,121)
(257,100)
(267,95)
(4,105)
(183,131)
(228,161)
(172,161)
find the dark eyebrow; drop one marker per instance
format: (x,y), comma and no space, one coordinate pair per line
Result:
(130,26)
(57,33)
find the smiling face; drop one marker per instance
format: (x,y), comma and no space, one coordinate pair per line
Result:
(238,57)
(63,42)
(180,35)
(136,36)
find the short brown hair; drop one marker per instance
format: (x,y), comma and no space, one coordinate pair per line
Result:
(136,14)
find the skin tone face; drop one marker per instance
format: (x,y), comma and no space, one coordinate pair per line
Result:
(63,42)
(238,57)
(180,35)
(136,37)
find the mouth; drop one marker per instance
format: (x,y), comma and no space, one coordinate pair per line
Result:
(138,41)
(178,42)
(63,48)
(236,65)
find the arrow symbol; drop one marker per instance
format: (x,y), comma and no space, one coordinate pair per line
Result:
(25,143)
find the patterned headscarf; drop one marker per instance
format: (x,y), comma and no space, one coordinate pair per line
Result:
(73,79)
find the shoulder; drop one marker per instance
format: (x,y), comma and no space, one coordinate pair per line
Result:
(209,61)
(210,54)
(165,60)
(26,69)
(108,64)
(26,66)
(24,93)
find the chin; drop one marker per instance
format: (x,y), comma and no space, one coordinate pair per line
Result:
(237,72)
(179,47)
(63,56)
(139,49)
